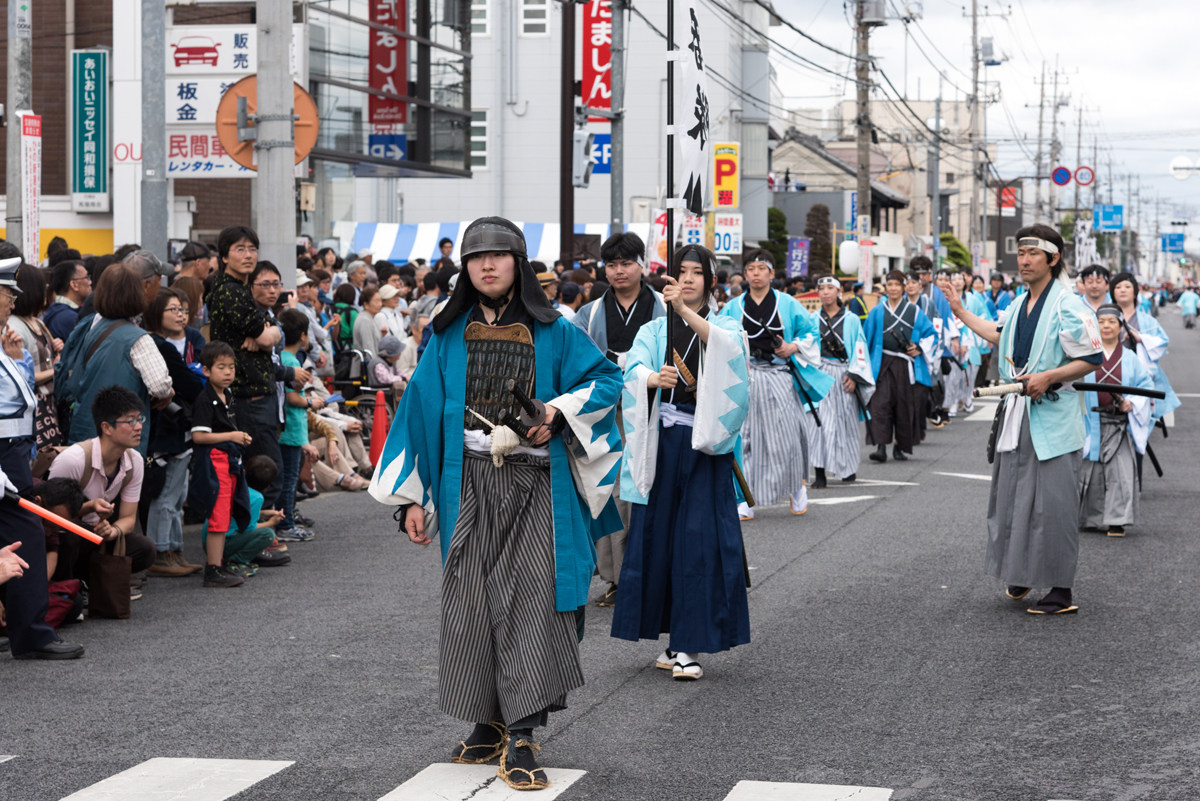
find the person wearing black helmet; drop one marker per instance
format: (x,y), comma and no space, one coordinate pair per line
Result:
(517,489)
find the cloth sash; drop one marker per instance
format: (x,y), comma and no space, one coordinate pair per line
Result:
(912,376)
(1113,429)
(671,415)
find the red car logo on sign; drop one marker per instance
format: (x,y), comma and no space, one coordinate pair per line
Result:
(196,50)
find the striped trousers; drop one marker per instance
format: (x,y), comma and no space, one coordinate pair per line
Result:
(836,446)
(775,435)
(505,653)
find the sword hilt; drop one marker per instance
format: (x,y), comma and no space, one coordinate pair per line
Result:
(533,412)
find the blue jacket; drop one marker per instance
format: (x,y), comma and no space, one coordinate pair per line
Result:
(923,336)
(61,319)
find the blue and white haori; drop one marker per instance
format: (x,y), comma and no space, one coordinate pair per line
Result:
(422,460)
(1150,352)
(1133,374)
(683,571)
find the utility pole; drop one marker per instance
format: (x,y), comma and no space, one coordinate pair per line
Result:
(275,146)
(155,203)
(566,136)
(977,236)
(863,121)
(617,155)
(1038,167)
(1055,148)
(935,172)
(1079,161)
(19,97)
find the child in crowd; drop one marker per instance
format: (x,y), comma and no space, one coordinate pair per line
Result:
(295,430)
(218,489)
(246,546)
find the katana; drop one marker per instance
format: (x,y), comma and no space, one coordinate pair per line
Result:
(46,514)
(1021,388)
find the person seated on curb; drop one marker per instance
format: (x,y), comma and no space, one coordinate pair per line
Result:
(109,470)
(246,547)
(331,467)
(63,497)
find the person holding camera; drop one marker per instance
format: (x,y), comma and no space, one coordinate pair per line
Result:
(170,448)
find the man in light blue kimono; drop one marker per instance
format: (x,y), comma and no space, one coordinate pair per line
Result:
(1145,337)
(786,385)
(612,321)
(517,495)
(1095,279)
(1118,426)
(684,570)
(1048,340)
(1189,302)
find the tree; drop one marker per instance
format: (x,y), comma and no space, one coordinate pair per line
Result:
(956,252)
(777,236)
(820,250)
(1066,227)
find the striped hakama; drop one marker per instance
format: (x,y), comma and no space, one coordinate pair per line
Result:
(1033,520)
(505,653)
(835,445)
(776,435)
(957,388)
(1108,492)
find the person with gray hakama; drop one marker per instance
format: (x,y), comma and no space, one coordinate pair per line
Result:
(1048,341)
(1118,426)
(505,444)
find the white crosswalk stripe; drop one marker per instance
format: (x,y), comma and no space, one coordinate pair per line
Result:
(181,780)
(449,782)
(977,476)
(4,758)
(834,501)
(787,791)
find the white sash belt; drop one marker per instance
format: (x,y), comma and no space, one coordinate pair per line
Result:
(912,376)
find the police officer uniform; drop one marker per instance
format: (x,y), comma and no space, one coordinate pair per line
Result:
(26,599)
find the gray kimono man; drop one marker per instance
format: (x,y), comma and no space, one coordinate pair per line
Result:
(612,321)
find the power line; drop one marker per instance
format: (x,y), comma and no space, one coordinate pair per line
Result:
(815,41)
(737,18)
(953,66)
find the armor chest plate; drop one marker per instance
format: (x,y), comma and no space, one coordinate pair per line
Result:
(495,355)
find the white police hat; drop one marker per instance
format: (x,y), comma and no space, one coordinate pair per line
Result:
(8,273)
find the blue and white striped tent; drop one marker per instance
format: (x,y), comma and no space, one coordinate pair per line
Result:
(402,243)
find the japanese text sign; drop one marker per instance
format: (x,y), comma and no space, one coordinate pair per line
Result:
(597,55)
(388,62)
(89,131)
(725,175)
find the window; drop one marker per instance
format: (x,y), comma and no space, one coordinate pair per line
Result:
(479,17)
(479,139)
(1010,244)
(535,17)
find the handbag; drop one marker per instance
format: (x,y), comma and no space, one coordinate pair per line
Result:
(108,582)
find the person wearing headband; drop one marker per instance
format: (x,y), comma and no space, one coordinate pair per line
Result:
(612,321)
(684,569)
(836,448)
(785,370)
(1118,427)
(516,512)
(927,411)
(901,342)
(1049,340)
(1145,337)
(947,338)
(965,369)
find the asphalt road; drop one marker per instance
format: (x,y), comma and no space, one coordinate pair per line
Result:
(881,656)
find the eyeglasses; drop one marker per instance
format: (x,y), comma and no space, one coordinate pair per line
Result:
(7,293)
(242,250)
(84,277)
(268,285)
(176,310)
(136,422)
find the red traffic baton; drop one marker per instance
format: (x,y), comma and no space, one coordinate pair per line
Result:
(53,518)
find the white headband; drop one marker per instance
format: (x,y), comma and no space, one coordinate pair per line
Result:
(1040,244)
(828,280)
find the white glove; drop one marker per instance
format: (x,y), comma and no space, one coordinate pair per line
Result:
(7,485)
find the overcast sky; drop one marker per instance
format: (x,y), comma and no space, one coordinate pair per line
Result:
(1126,63)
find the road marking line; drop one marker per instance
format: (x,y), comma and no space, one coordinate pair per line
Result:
(965,475)
(983,415)
(833,501)
(444,781)
(786,791)
(6,758)
(181,780)
(1188,394)
(871,482)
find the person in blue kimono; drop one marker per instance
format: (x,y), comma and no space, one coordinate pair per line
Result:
(937,309)
(786,383)
(1096,278)
(1048,340)
(1117,429)
(1189,302)
(1145,337)
(684,571)
(902,342)
(997,295)
(517,498)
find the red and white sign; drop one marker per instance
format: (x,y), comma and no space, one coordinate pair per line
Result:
(388,62)
(1084,176)
(31,185)
(1008,201)
(597,56)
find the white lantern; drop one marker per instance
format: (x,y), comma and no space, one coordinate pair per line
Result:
(848,257)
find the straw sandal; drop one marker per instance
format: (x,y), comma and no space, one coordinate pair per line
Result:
(525,773)
(476,753)
(609,598)
(687,669)
(1017,593)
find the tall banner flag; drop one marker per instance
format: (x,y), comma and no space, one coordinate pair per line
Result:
(388,62)
(692,113)
(597,56)
(31,185)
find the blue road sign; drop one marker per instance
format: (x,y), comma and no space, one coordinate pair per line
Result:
(1108,217)
(1061,176)
(1172,243)
(388,146)
(602,154)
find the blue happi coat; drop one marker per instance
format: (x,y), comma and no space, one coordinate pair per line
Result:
(923,336)
(1150,351)
(801,328)
(422,458)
